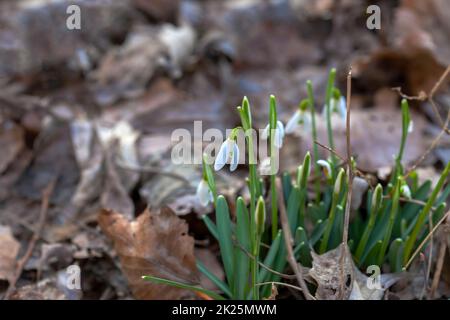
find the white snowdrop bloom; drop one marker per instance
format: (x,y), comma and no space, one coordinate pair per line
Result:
(405,191)
(337,106)
(278,134)
(300,117)
(293,122)
(326,167)
(204,194)
(228,153)
(341,107)
(410,126)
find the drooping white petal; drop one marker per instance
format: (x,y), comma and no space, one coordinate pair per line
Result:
(306,119)
(265,133)
(293,122)
(204,194)
(326,166)
(410,126)
(280,127)
(342,107)
(278,138)
(221,157)
(235,157)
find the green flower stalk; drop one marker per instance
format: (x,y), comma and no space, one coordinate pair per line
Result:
(338,186)
(246,120)
(328,97)
(260,218)
(275,133)
(391,221)
(377,198)
(314,137)
(423,215)
(303,173)
(407,127)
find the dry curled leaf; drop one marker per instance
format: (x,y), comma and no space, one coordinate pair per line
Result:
(12,142)
(154,244)
(9,248)
(327,272)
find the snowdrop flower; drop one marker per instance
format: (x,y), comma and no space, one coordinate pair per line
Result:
(204,194)
(341,107)
(405,191)
(279,134)
(298,118)
(338,106)
(228,153)
(410,126)
(326,168)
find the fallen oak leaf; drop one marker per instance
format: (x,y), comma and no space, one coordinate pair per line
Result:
(155,244)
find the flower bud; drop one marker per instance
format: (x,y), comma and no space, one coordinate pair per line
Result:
(338,185)
(260,216)
(377,198)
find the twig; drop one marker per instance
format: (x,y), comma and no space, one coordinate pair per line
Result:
(415,201)
(431,99)
(288,242)
(431,147)
(421,97)
(282,275)
(428,263)
(358,171)
(40,226)
(279,283)
(330,150)
(350,182)
(349,159)
(426,239)
(438,271)
(439,83)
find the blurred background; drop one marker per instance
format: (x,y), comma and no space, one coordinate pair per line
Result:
(87,114)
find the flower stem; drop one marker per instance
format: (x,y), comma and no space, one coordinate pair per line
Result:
(329,92)
(314,136)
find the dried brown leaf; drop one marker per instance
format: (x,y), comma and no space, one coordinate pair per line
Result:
(154,244)
(327,272)
(12,142)
(9,248)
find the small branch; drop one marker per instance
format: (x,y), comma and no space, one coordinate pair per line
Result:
(439,266)
(421,97)
(288,242)
(415,201)
(330,150)
(248,254)
(349,159)
(426,239)
(37,234)
(280,284)
(431,147)
(350,183)
(344,161)
(430,259)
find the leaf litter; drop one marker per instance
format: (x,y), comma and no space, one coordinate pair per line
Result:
(98,118)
